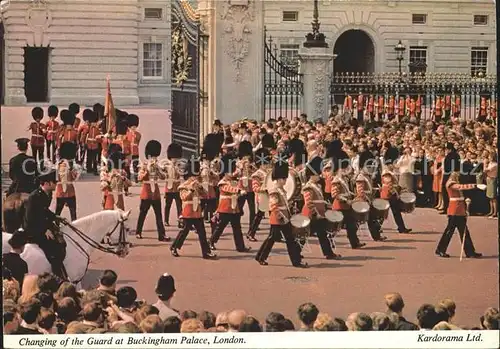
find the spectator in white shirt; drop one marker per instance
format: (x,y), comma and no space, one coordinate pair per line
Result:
(165,290)
(405,165)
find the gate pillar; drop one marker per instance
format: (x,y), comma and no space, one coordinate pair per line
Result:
(239,33)
(315,66)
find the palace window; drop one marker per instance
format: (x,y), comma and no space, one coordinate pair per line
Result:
(290,16)
(419,18)
(478,60)
(289,55)
(152,61)
(418,58)
(153,13)
(480,19)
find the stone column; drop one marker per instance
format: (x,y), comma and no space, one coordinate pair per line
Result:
(315,64)
(239,61)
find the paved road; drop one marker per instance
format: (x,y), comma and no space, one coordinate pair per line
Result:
(405,264)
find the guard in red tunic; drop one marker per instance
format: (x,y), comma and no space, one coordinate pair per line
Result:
(381,108)
(92,143)
(67,133)
(447,107)
(37,129)
(114,181)
(348,103)
(390,191)
(173,180)
(360,106)
(371,107)
(315,207)
(279,220)
(209,176)
(391,107)
(121,128)
(418,106)
(438,109)
(365,192)
(457,218)
(456,107)
(228,210)
(75,109)
(67,173)
(483,110)
(83,131)
(191,192)
(52,131)
(244,169)
(149,174)
(264,163)
(134,138)
(401,108)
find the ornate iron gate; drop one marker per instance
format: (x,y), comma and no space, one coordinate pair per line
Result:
(283,85)
(429,86)
(185,77)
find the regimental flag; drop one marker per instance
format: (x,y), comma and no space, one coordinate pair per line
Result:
(109,108)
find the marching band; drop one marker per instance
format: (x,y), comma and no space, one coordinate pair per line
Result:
(306,187)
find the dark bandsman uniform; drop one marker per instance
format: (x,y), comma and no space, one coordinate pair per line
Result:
(22,170)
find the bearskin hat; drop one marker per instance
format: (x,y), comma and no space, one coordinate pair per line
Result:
(133,120)
(87,114)
(121,127)
(93,117)
(174,151)
(53,111)
(191,168)
(280,170)
(74,108)
(153,148)
(99,109)
(114,148)
(217,122)
(263,157)
(37,113)
(228,162)
(245,149)
(314,167)
(67,117)
(366,158)
(210,144)
(334,148)
(67,151)
(268,141)
(340,161)
(391,156)
(115,160)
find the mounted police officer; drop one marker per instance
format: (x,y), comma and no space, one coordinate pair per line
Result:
(41,224)
(22,170)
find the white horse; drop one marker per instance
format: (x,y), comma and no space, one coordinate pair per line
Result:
(95,226)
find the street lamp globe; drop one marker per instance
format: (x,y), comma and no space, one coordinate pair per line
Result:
(400,49)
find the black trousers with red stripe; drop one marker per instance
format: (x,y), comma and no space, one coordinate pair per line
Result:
(199,227)
(460,223)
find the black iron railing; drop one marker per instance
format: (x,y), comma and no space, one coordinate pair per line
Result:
(283,84)
(428,86)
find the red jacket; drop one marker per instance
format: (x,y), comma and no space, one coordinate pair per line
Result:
(228,199)
(314,203)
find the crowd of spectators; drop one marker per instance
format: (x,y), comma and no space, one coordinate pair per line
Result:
(44,305)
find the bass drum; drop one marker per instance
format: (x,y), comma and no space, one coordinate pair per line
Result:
(361,211)
(380,209)
(334,221)
(293,185)
(408,201)
(300,226)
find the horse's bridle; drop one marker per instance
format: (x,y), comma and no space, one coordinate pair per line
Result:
(120,251)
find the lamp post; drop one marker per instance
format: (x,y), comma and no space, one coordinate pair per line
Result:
(400,50)
(315,38)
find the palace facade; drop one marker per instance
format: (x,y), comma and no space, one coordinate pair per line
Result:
(60,51)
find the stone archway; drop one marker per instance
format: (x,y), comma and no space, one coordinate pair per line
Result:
(356,52)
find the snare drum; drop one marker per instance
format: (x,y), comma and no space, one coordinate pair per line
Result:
(361,211)
(408,201)
(300,226)
(293,185)
(380,208)
(334,221)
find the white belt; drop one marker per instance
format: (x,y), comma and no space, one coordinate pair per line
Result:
(91,139)
(116,192)
(38,136)
(457,199)
(318,201)
(233,198)
(51,131)
(282,208)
